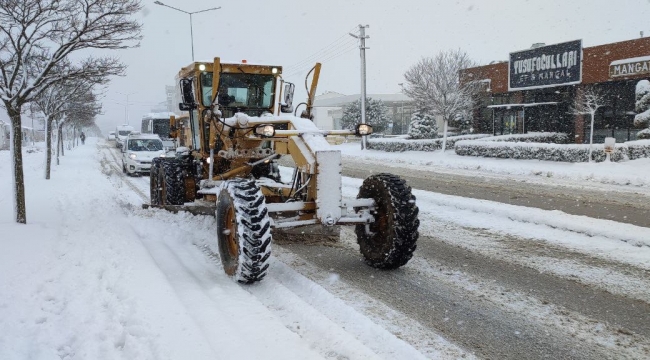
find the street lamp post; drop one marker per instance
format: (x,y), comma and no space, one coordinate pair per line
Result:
(126,107)
(401,125)
(190,14)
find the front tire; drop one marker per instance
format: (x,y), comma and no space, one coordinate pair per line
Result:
(392,238)
(243,230)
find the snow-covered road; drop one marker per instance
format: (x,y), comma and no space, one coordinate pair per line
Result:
(94,276)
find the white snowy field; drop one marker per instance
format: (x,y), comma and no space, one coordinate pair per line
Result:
(632,174)
(93,276)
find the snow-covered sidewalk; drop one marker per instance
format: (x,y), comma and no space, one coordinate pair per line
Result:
(93,276)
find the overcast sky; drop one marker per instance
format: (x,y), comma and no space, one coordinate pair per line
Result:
(290,32)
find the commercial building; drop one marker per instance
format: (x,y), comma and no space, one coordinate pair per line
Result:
(536,89)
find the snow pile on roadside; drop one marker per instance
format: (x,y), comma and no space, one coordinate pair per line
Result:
(536,137)
(638,149)
(628,173)
(402,144)
(601,238)
(537,151)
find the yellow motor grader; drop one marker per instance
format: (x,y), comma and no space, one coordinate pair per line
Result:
(240,121)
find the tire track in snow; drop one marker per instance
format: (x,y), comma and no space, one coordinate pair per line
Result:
(330,339)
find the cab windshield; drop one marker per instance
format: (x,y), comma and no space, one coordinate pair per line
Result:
(145,145)
(251,91)
(124,132)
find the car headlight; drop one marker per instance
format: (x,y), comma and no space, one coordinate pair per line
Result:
(162,155)
(132,156)
(208,160)
(363,129)
(265,130)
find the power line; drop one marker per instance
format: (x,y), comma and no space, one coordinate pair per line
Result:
(325,47)
(332,46)
(324,57)
(332,57)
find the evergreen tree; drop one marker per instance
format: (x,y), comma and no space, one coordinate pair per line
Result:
(423,125)
(463,122)
(376,115)
(642,107)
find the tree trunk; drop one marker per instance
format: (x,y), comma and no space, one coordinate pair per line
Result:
(444,137)
(16,149)
(48,147)
(61,136)
(591,135)
(58,141)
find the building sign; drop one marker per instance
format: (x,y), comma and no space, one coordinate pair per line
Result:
(630,67)
(547,66)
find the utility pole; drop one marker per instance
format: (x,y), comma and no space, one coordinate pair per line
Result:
(362,46)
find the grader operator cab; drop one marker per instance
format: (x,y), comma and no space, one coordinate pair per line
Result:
(240,123)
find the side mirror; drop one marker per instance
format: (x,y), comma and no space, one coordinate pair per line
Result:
(287,106)
(186,92)
(186,107)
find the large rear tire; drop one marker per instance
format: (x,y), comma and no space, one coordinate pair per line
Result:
(392,238)
(243,230)
(154,184)
(170,182)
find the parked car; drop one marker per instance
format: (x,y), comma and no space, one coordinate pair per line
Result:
(111,136)
(138,151)
(121,132)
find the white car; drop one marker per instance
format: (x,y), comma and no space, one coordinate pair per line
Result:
(121,132)
(111,136)
(138,152)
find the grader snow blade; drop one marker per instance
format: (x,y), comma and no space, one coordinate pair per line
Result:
(239,121)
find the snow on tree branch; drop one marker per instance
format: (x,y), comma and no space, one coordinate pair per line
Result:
(589,102)
(42,33)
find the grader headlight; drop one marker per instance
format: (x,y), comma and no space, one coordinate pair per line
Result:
(363,129)
(265,130)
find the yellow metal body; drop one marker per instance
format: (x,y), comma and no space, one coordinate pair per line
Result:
(232,139)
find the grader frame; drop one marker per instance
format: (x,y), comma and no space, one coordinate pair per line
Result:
(239,124)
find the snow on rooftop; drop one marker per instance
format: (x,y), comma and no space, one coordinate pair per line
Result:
(158,115)
(630,60)
(348,99)
(522,105)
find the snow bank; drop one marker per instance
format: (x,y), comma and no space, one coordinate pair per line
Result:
(531,148)
(537,151)
(536,137)
(401,144)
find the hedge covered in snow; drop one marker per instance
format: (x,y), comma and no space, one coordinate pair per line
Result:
(535,137)
(638,149)
(401,144)
(537,151)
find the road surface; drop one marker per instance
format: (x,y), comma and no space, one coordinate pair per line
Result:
(492,295)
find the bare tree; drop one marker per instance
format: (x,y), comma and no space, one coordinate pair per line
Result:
(53,103)
(434,83)
(588,102)
(37,37)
